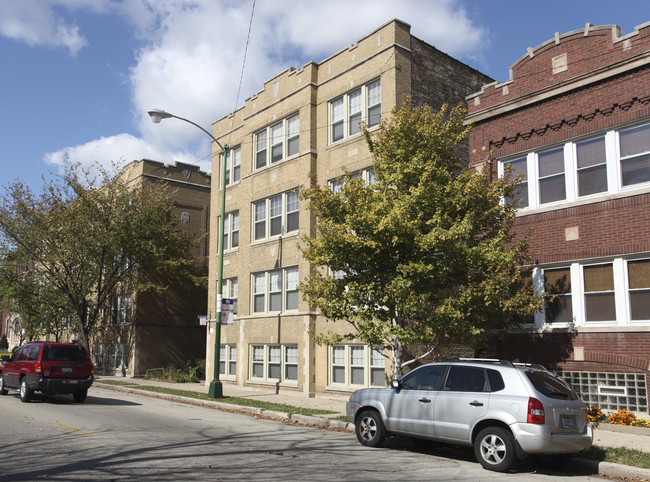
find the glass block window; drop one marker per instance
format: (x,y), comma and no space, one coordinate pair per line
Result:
(610,391)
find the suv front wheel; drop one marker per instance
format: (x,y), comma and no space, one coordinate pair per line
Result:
(370,429)
(495,449)
(25,391)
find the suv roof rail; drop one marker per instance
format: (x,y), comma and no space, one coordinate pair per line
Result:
(494,361)
(531,365)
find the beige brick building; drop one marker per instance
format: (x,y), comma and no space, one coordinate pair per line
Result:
(304,122)
(151,330)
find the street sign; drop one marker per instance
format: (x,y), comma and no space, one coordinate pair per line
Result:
(203,319)
(227,311)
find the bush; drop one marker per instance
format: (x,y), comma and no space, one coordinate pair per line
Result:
(622,417)
(4,344)
(195,372)
(595,414)
(640,422)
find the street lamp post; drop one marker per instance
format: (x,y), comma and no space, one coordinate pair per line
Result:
(216,388)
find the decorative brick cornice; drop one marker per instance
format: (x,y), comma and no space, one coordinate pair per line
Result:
(572,122)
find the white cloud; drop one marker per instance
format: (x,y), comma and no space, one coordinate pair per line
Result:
(36,24)
(122,149)
(191,58)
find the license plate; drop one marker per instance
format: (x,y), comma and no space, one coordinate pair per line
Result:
(71,382)
(66,370)
(568,421)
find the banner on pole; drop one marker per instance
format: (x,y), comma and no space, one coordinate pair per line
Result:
(227,311)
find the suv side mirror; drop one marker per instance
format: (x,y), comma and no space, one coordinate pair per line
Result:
(395,384)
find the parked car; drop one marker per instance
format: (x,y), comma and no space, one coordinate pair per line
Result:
(505,410)
(51,368)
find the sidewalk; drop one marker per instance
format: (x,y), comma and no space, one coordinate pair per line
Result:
(605,435)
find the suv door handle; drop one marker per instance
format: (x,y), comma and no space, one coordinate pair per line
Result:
(424,400)
(476,404)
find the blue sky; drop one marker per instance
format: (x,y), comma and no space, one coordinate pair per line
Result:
(78,76)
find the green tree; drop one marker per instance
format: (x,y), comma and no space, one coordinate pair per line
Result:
(67,251)
(424,255)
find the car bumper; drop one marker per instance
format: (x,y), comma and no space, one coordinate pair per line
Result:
(351,410)
(539,439)
(60,385)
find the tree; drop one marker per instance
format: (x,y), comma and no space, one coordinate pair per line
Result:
(424,255)
(67,251)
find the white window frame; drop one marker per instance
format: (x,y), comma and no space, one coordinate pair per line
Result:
(622,302)
(122,309)
(368,175)
(233,166)
(231,231)
(230,289)
(356,366)
(614,171)
(357,106)
(272,290)
(275,208)
(228,360)
(281,357)
(277,142)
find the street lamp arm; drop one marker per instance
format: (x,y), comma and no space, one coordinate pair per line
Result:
(158,115)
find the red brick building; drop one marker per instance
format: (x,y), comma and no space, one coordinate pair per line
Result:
(573,122)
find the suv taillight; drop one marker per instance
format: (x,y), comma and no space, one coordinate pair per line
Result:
(536,411)
(38,367)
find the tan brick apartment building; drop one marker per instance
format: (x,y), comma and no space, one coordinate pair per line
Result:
(151,330)
(573,121)
(304,122)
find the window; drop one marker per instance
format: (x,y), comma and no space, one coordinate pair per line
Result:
(121,310)
(291,289)
(273,215)
(428,377)
(274,362)
(613,291)
(551,176)
(466,379)
(357,366)
(558,307)
(228,360)
(275,291)
(635,155)
(349,111)
(281,140)
(118,355)
(591,167)
(233,165)
(639,285)
(230,289)
(599,293)
(231,231)
(519,171)
(368,175)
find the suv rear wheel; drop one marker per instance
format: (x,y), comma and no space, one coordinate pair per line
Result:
(495,449)
(370,429)
(25,391)
(80,395)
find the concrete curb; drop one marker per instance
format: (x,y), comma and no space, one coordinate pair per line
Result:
(576,463)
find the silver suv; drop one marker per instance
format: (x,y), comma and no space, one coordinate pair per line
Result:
(504,410)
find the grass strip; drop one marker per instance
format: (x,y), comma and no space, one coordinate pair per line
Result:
(246,402)
(620,455)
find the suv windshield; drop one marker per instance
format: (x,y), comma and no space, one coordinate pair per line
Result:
(65,353)
(551,385)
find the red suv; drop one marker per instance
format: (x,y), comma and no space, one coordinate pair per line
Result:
(51,368)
